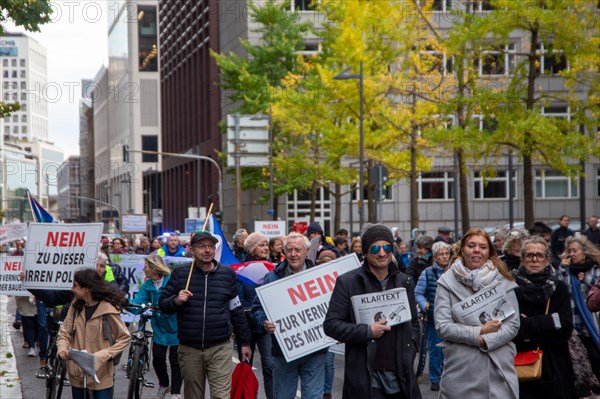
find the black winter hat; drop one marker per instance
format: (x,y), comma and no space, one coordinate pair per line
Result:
(314,227)
(375,233)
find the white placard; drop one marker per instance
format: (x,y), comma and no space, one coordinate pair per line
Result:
(10,284)
(12,232)
(486,304)
(54,251)
(134,223)
(391,306)
(271,228)
(298,304)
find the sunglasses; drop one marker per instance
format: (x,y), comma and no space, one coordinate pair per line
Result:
(374,249)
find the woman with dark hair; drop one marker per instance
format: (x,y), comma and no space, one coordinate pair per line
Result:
(155,245)
(579,270)
(546,322)
(478,359)
(276,250)
(96,305)
(118,246)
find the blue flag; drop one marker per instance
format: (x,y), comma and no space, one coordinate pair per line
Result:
(40,215)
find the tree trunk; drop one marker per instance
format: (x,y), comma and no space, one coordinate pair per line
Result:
(414,189)
(463,191)
(528,147)
(313,200)
(337,197)
(370,194)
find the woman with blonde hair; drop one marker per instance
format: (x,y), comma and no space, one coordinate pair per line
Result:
(356,247)
(478,358)
(164,326)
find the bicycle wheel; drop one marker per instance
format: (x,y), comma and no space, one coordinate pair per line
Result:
(55,379)
(136,375)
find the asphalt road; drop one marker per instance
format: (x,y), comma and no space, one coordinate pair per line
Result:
(33,387)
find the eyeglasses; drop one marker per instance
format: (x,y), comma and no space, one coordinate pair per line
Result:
(374,249)
(536,255)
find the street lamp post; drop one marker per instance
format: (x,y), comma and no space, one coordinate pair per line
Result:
(346,76)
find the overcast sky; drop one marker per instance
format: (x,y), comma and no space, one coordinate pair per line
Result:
(76,48)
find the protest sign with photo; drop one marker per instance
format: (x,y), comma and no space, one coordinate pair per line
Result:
(10,284)
(12,232)
(487,304)
(54,251)
(298,304)
(391,306)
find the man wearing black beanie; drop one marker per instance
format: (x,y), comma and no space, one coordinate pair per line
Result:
(378,360)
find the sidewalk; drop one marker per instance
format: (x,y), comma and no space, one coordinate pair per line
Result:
(10,382)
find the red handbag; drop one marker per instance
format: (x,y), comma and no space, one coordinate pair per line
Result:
(528,365)
(244,384)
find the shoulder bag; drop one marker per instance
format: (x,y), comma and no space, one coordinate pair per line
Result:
(529,364)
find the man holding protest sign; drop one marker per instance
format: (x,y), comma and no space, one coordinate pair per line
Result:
(205,298)
(310,368)
(378,361)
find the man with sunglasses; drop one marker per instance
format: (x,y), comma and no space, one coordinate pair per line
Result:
(378,361)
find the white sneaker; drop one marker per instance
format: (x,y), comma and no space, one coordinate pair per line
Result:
(161,393)
(32,352)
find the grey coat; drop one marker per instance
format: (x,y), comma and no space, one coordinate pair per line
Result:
(469,371)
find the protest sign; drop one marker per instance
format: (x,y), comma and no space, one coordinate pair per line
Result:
(54,251)
(485,305)
(271,228)
(298,304)
(12,232)
(391,305)
(10,284)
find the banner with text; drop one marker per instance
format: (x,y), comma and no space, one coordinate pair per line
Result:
(54,251)
(298,304)
(12,232)
(10,284)
(271,228)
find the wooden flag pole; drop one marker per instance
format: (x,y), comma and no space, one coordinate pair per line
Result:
(187,285)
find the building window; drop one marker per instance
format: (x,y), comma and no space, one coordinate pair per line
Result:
(5,74)
(554,184)
(15,118)
(23,75)
(23,86)
(13,62)
(480,5)
(22,63)
(7,129)
(23,96)
(23,107)
(302,5)
(5,96)
(433,60)
(441,5)
(149,143)
(24,129)
(500,60)
(147,39)
(24,118)
(550,60)
(436,186)
(15,129)
(5,62)
(492,187)
(14,74)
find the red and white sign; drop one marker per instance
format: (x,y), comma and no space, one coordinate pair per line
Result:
(10,284)
(271,228)
(298,304)
(54,251)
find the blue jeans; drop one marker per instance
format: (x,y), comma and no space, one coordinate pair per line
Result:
(329,372)
(436,357)
(78,393)
(42,331)
(310,369)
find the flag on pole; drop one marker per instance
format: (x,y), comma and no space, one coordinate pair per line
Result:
(40,215)
(223,253)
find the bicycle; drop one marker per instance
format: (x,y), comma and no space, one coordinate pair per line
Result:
(138,360)
(56,368)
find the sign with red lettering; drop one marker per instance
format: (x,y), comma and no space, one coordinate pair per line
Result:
(10,284)
(298,304)
(54,251)
(271,228)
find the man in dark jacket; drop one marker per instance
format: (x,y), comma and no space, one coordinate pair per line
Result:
(310,368)
(557,240)
(206,309)
(593,232)
(424,258)
(379,358)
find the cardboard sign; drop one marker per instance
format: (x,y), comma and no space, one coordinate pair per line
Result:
(271,228)
(10,284)
(54,251)
(298,304)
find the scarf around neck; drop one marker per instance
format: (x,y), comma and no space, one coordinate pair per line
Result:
(477,278)
(536,287)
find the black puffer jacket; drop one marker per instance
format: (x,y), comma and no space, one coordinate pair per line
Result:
(205,320)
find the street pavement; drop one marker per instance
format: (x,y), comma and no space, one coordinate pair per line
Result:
(17,371)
